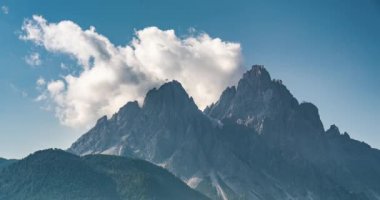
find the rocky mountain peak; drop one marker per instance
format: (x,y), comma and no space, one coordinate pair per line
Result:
(258,71)
(309,111)
(255,131)
(229,92)
(127,112)
(333,130)
(170,95)
(256,98)
(257,77)
(129,106)
(217,109)
(101,121)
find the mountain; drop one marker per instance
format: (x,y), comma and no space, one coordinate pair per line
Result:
(56,174)
(256,142)
(295,129)
(5,162)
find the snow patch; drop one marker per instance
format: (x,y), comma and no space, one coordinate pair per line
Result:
(163,164)
(194,181)
(111,151)
(87,153)
(219,189)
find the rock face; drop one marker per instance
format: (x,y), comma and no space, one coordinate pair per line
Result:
(58,175)
(256,142)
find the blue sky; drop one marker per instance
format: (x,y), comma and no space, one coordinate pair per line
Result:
(326,52)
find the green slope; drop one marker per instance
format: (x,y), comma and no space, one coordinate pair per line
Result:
(56,174)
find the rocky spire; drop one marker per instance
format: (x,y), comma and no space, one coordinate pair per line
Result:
(170,96)
(333,130)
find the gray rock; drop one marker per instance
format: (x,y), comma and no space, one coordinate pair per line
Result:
(255,142)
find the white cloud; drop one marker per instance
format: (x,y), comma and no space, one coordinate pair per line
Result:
(33,59)
(56,87)
(41,97)
(112,75)
(41,87)
(40,82)
(5,10)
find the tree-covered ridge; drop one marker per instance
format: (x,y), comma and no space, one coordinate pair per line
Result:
(56,174)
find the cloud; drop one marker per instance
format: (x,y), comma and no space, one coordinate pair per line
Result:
(40,82)
(5,10)
(112,75)
(33,59)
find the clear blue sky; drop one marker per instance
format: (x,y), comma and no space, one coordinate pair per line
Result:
(326,52)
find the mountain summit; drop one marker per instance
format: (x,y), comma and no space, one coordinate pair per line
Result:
(256,142)
(256,99)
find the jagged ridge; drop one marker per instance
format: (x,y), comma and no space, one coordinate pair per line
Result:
(256,142)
